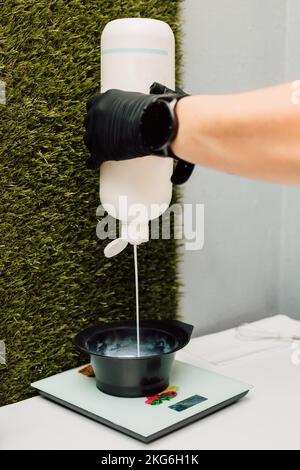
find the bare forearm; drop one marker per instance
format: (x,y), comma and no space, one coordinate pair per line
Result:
(254,134)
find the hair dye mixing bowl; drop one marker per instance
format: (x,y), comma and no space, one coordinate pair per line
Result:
(113,351)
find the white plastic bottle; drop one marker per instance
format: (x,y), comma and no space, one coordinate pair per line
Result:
(135,52)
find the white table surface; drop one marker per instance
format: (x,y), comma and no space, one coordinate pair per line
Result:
(268,418)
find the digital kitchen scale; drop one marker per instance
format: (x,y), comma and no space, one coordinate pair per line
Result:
(193,393)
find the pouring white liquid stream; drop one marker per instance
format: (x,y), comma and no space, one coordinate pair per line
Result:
(136,275)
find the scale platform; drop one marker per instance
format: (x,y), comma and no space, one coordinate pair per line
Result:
(193,394)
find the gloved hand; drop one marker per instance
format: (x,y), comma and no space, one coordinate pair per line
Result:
(121,125)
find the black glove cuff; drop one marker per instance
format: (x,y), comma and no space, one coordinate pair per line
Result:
(159,124)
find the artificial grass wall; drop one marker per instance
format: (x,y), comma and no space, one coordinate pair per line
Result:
(55,279)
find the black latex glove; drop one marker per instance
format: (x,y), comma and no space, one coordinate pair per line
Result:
(115,125)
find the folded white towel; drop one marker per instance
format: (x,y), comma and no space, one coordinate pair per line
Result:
(278,331)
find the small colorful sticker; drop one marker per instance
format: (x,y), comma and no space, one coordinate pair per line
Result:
(166,395)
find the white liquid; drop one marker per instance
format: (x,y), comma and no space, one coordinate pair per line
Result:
(136,275)
(154,343)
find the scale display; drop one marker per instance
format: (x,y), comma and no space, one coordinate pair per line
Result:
(187,403)
(193,394)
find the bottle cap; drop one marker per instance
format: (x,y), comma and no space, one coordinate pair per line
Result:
(115,247)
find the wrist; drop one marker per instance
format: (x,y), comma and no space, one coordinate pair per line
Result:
(205,123)
(188,121)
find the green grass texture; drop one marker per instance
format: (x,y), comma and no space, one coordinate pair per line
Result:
(55,279)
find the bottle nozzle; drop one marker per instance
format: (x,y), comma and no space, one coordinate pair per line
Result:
(135,233)
(132,233)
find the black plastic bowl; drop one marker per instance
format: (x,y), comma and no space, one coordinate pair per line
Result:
(119,371)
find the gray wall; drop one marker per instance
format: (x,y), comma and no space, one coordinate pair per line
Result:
(290,249)
(247,268)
